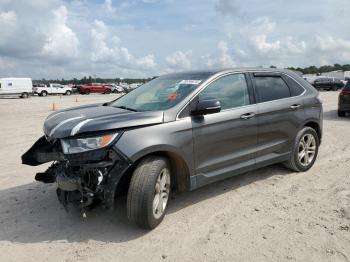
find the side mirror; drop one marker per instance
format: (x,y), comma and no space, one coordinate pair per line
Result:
(206,107)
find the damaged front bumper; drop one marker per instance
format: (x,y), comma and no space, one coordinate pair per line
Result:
(83,179)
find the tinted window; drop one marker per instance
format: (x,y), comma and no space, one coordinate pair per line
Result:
(294,87)
(271,88)
(231,91)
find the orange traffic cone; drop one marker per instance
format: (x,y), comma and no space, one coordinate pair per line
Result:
(53,107)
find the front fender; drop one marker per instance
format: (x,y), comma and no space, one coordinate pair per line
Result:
(173,137)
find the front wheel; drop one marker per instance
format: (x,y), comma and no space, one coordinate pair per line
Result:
(149,192)
(305,150)
(68,93)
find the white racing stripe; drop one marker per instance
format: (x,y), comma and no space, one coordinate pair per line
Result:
(53,115)
(62,123)
(78,126)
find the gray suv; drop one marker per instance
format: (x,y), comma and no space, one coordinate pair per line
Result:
(178,132)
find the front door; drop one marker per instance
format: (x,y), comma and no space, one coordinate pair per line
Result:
(225,142)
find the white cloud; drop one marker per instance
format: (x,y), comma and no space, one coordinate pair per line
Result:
(147,61)
(58,38)
(8,18)
(108,6)
(102,52)
(179,60)
(61,41)
(221,58)
(225,59)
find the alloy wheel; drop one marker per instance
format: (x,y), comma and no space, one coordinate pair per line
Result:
(307,149)
(161,193)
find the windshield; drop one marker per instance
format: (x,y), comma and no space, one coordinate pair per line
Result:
(161,93)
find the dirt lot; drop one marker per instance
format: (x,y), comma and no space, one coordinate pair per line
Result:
(271,214)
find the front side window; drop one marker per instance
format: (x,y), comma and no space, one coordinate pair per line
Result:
(271,88)
(231,91)
(161,93)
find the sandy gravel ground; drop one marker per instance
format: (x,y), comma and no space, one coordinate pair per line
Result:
(271,214)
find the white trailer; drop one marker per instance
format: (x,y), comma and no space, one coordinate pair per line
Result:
(21,87)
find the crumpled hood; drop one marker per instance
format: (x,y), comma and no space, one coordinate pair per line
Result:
(95,117)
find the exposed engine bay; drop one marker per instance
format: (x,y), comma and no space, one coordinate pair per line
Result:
(83,179)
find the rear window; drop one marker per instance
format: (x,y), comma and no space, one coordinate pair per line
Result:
(271,88)
(295,88)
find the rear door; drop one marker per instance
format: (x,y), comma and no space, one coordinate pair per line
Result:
(280,112)
(225,142)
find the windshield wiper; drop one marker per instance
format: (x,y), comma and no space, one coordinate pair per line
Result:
(127,108)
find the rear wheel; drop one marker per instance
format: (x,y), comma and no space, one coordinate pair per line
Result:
(24,95)
(149,192)
(341,113)
(305,150)
(68,93)
(43,93)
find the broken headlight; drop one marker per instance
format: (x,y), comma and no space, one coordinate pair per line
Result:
(79,145)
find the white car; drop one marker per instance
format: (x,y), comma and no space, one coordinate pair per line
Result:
(52,89)
(16,86)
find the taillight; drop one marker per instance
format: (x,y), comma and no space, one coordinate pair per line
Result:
(345,92)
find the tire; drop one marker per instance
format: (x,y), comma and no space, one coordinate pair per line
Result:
(68,93)
(87,92)
(305,163)
(143,196)
(341,113)
(43,93)
(24,95)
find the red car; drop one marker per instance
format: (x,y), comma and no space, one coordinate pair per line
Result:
(95,88)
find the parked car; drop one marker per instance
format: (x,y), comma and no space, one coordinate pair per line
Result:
(328,84)
(21,87)
(75,89)
(209,126)
(115,88)
(95,88)
(52,89)
(344,101)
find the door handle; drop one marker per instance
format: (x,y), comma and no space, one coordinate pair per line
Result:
(247,116)
(295,107)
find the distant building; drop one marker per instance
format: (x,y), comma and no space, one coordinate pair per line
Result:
(341,75)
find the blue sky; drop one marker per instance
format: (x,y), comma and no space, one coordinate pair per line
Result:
(140,38)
